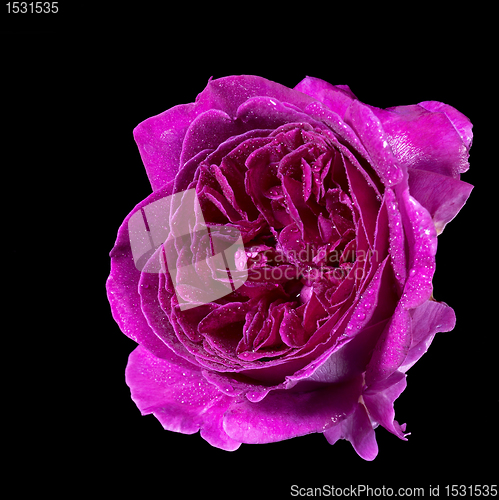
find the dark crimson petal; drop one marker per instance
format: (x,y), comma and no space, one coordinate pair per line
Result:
(260,178)
(300,212)
(397,241)
(292,332)
(335,122)
(343,359)
(219,201)
(269,336)
(364,197)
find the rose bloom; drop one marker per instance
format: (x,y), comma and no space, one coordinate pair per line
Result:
(338,205)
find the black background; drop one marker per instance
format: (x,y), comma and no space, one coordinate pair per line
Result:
(73,97)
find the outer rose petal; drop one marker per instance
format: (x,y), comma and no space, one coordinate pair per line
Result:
(379,399)
(427,320)
(336,97)
(286,414)
(357,428)
(422,239)
(461,122)
(442,196)
(160,138)
(373,136)
(123,285)
(391,348)
(178,395)
(428,140)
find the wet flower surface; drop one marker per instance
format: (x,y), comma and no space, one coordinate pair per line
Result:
(336,206)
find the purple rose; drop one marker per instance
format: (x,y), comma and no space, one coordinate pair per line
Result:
(278,280)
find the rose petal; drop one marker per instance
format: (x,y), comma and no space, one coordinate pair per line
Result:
(397,240)
(349,355)
(333,120)
(160,138)
(284,415)
(460,122)
(427,320)
(427,140)
(374,138)
(379,399)
(364,197)
(230,92)
(441,195)
(123,284)
(357,428)
(269,112)
(336,97)
(178,395)
(421,237)
(391,348)
(207,131)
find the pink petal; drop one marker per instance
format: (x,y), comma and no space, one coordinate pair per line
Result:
(379,399)
(284,415)
(391,348)
(460,122)
(421,235)
(427,320)
(441,195)
(423,138)
(357,428)
(178,395)
(160,138)
(123,285)
(336,97)
(371,132)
